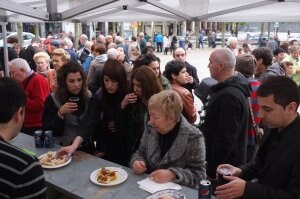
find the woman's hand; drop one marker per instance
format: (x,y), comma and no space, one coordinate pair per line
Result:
(128,99)
(139,167)
(68,150)
(68,107)
(163,176)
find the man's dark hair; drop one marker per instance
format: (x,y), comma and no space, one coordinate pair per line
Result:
(148,50)
(292,41)
(263,53)
(283,88)
(173,67)
(12,98)
(277,51)
(145,59)
(12,39)
(133,38)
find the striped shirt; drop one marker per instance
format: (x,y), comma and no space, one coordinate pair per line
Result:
(21,176)
(255,108)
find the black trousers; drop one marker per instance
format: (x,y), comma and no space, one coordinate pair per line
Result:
(159,46)
(166,51)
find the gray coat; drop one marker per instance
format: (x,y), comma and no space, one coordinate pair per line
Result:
(185,158)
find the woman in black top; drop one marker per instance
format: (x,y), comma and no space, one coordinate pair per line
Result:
(103,117)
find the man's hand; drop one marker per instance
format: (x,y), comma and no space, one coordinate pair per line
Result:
(234,189)
(234,171)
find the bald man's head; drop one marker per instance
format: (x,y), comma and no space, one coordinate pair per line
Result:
(225,56)
(221,64)
(180,54)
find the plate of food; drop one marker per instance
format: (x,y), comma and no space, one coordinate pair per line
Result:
(167,194)
(108,176)
(48,160)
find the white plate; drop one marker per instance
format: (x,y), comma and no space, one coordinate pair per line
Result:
(172,193)
(121,176)
(56,166)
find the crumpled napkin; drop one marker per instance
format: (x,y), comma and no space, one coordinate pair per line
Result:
(152,187)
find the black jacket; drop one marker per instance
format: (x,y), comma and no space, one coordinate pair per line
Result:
(102,111)
(12,54)
(28,53)
(277,169)
(226,122)
(192,71)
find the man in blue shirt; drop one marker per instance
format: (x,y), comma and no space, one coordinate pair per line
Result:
(159,42)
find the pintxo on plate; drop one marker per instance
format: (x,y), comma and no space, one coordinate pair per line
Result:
(106,176)
(49,160)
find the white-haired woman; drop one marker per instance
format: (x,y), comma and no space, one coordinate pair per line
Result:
(171,149)
(42,61)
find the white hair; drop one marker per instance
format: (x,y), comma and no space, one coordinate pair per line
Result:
(84,36)
(141,34)
(118,39)
(232,40)
(101,37)
(20,63)
(112,53)
(68,42)
(88,44)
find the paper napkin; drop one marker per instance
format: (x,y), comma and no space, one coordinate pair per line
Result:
(152,187)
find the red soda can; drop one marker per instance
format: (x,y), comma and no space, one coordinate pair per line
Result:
(204,189)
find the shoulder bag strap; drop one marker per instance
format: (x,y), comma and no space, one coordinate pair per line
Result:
(251,112)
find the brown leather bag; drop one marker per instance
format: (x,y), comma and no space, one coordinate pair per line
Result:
(259,132)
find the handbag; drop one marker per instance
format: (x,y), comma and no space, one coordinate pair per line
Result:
(259,132)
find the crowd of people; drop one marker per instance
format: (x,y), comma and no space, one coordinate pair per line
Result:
(111,99)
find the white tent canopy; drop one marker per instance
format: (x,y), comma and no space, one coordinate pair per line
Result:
(150,10)
(147,10)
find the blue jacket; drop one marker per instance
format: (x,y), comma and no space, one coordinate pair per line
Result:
(159,38)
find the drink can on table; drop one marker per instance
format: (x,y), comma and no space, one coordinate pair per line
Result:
(38,139)
(49,141)
(204,189)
